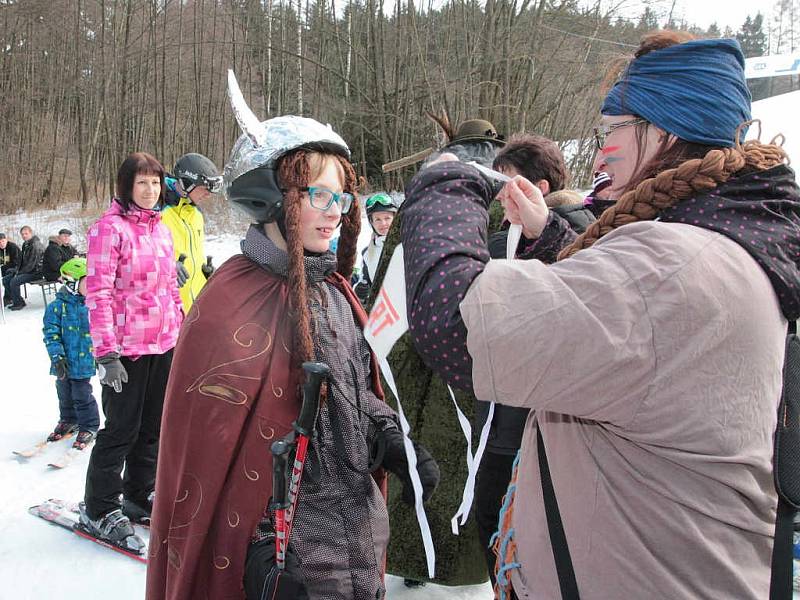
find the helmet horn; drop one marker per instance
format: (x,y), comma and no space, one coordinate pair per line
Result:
(247,120)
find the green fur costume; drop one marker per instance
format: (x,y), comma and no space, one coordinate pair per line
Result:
(434,424)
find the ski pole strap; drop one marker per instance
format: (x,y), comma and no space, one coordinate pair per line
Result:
(558,541)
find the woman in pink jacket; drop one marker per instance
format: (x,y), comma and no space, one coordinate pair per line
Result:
(135,314)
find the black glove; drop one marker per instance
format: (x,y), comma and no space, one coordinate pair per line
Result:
(61,368)
(182,273)
(111,371)
(394,460)
(263,579)
(208,268)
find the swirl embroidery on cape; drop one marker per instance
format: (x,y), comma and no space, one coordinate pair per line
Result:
(247,472)
(235,514)
(184,496)
(226,562)
(266,436)
(219,383)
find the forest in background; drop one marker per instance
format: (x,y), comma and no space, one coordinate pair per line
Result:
(84,82)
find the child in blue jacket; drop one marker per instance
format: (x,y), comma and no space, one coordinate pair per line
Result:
(66,336)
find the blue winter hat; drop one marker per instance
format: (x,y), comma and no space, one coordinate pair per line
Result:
(695,90)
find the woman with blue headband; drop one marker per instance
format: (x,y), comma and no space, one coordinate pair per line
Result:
(651,353)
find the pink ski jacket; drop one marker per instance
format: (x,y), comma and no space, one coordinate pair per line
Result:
(132,291)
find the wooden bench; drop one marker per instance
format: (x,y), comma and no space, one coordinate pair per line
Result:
(47,287)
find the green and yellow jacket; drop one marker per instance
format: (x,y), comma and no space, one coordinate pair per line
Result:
(186,223)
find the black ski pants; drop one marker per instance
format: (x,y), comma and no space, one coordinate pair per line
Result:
(491,484)
(129,436)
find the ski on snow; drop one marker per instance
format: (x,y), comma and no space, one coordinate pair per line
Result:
(65,459)
(38,448)
(66,515)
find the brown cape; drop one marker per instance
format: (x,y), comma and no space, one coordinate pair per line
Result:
(231,393)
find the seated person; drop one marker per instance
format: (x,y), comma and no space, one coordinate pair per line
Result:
(58,251)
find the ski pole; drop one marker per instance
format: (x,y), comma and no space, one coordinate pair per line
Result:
(280,454)
(316,372)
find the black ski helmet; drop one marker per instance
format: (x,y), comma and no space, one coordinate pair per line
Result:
(251,177)
(193,170)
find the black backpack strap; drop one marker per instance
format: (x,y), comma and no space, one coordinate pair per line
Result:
(558,541)
(780,585)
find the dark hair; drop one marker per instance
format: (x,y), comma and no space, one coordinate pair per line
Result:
(24,227)
(133,165)
(536,158)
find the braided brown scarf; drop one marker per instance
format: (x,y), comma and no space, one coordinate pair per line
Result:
(695,176)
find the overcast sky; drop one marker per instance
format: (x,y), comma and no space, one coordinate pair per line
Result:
(699,12)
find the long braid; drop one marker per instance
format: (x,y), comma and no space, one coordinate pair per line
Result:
(293,173)
(669,187)
(351,224)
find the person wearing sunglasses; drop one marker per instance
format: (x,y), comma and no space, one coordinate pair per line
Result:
(381,211)
(195,178)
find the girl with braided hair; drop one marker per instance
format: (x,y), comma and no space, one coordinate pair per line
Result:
(236,389)
(651,353)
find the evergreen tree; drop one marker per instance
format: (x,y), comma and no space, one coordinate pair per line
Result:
(752,36)
(713,31)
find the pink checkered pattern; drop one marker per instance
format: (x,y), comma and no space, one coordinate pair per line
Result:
(132,291)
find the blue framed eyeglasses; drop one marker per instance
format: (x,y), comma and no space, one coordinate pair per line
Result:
(322,199)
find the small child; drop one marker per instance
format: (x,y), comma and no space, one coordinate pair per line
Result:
(66,336)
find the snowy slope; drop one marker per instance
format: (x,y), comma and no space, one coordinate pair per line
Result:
(779,116)
(37,560)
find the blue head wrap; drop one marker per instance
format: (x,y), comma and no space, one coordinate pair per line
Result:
(695,91)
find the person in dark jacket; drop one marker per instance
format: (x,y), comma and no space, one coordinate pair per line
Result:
(293,177)
(428,407)
(30,267)
(58,251)
(10,256)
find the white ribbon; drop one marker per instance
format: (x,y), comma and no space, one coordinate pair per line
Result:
(388,321)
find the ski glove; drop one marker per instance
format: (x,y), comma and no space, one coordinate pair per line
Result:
(60,367)
(263,579)
(208,268)
(111,371)
(182,273)
(394,461)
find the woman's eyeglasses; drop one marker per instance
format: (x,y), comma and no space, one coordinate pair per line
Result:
(603,131)
(322,199)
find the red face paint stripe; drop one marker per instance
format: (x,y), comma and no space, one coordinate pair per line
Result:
(609,149)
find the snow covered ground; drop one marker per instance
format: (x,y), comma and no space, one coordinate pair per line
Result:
(38,560)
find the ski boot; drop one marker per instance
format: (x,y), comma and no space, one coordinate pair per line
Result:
(413,583)
(83,439)
(114,528)
(139,512)
(62,430)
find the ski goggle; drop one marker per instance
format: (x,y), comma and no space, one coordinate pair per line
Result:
(212,184)
(322,199)
(380,199)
